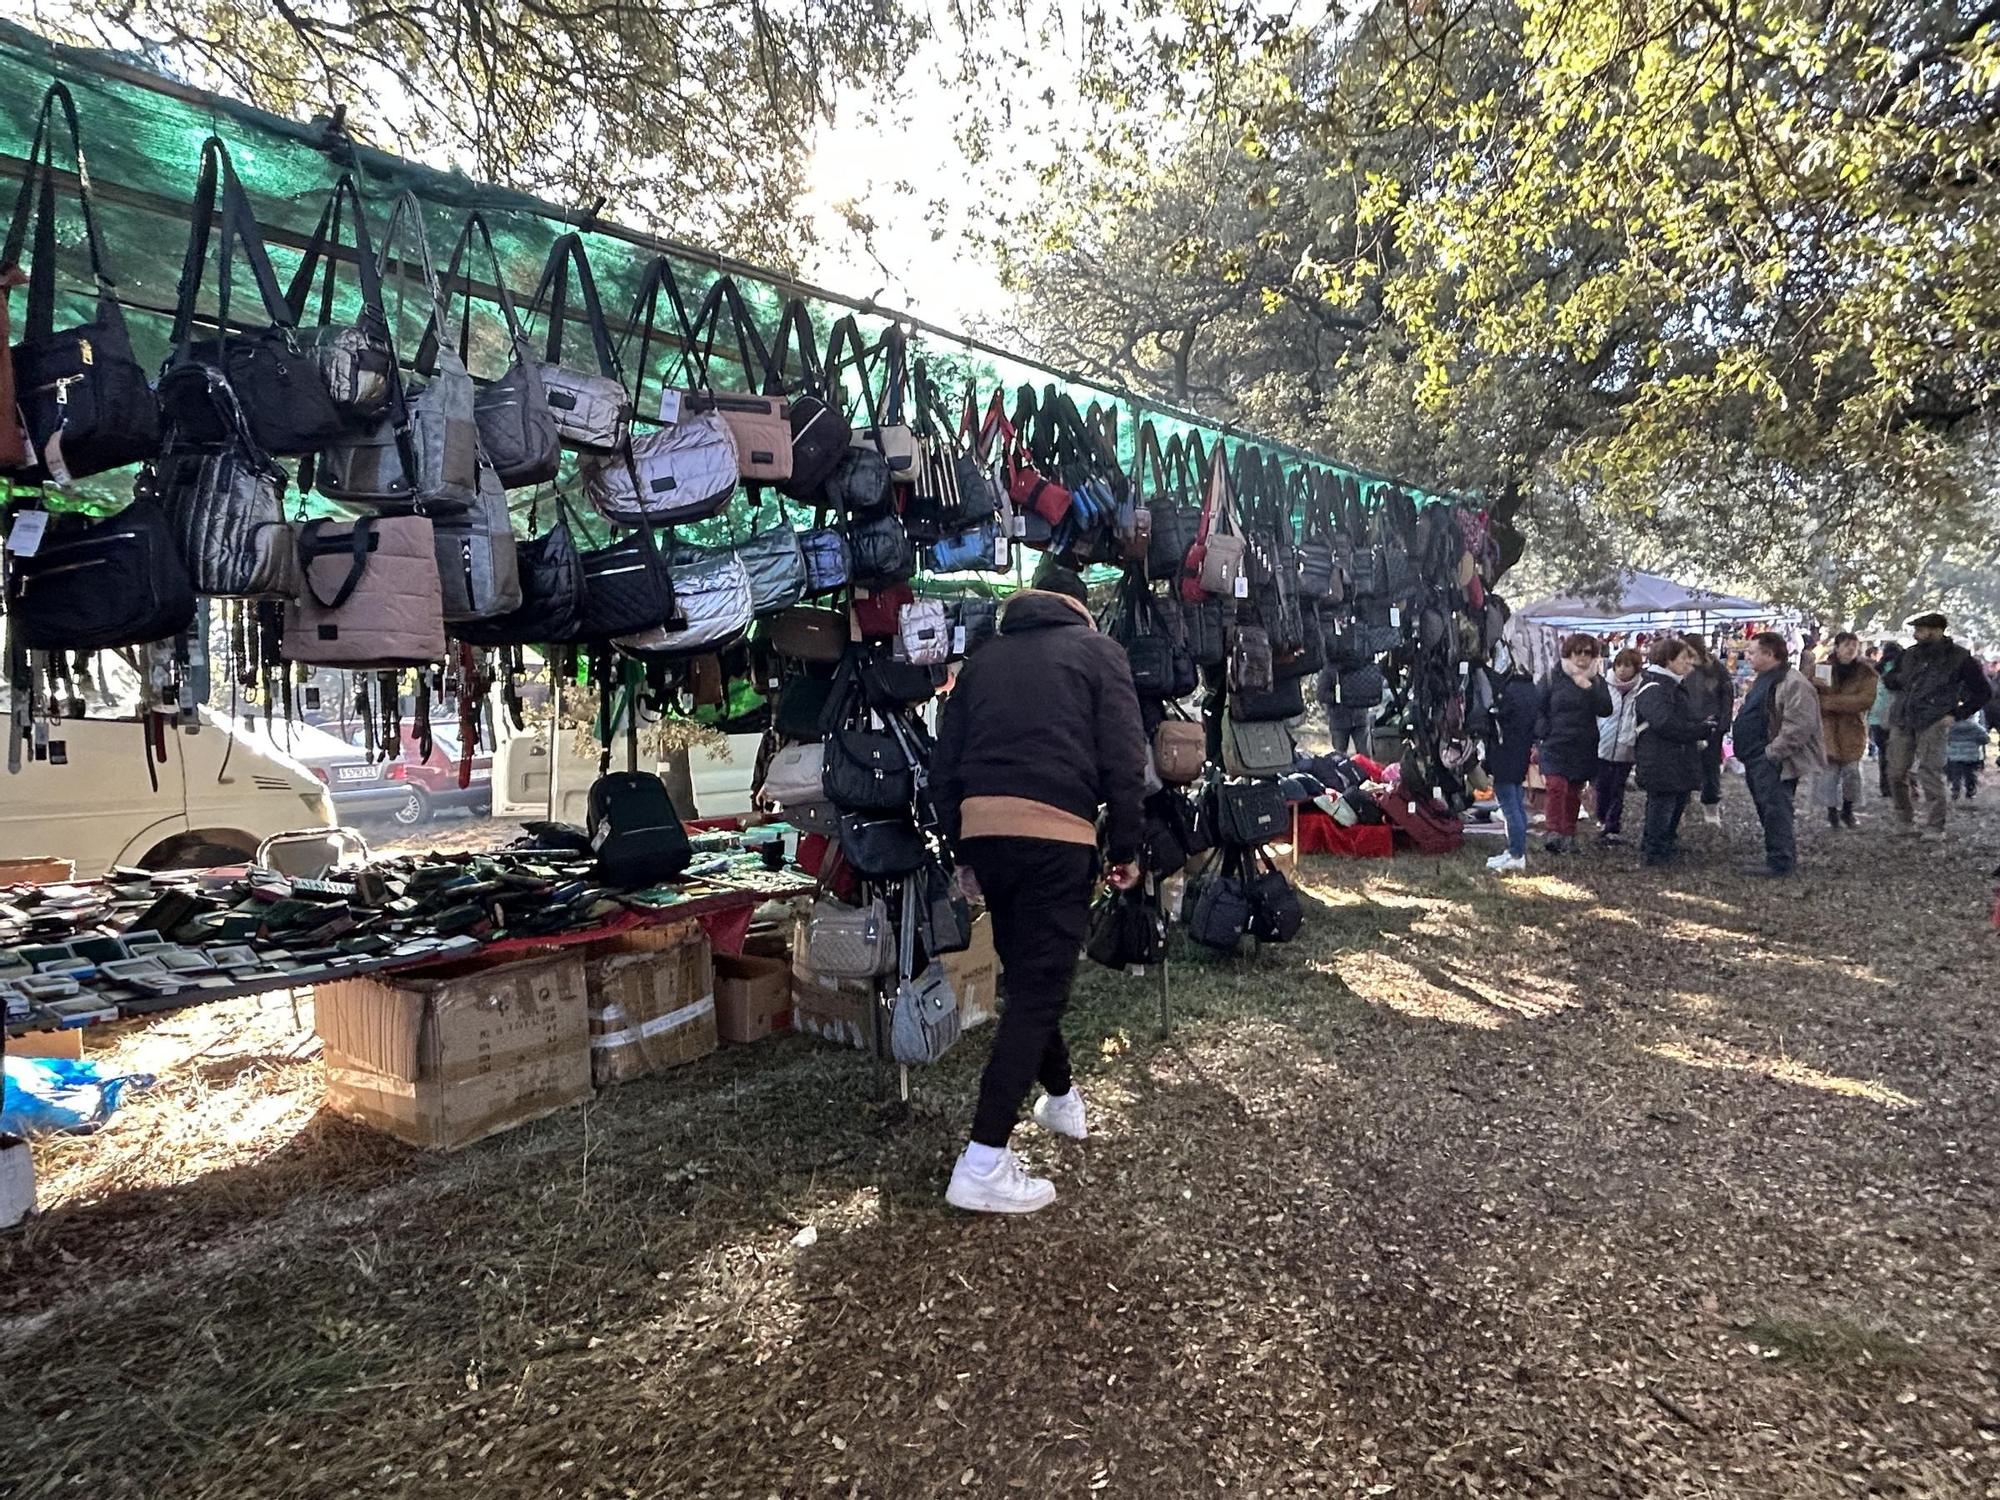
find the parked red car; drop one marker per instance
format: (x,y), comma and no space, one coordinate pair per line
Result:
(409,789)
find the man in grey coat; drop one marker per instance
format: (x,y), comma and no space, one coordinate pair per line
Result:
(1930,685)
(1780,741)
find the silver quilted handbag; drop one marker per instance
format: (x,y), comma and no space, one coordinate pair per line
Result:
(850,942)
(777,569)
(593,413)
(923,633)
(924,1025)
(668,475)
(712,596)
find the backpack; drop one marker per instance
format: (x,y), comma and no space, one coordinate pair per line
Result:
(634,830)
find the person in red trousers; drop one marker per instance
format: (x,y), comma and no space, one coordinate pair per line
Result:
(1574,698)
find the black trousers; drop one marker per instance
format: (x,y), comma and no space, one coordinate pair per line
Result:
(1038,892)
(1711,772)
(1660,840)
(1775,799)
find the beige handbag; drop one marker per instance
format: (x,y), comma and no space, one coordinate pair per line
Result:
(1223,573)
(369,595)
(1180,748)
(761,425)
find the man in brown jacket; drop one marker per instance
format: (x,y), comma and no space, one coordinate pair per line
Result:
(1041,729)
(1779,741)
(1846,686)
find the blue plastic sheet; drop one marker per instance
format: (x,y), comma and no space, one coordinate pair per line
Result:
(48,1095)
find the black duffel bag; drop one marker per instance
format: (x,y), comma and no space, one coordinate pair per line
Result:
(95,585)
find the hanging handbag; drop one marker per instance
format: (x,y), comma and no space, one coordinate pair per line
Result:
(369,595)
(1275,912)
(226,503)
(1261,748)
(1217,557)
(517,428)
(684,467)
(819,429)
(1217,906)
(358,359)
(1249,813)
(424,451)
(980,550)
(626,589)
(923,633)
(593,413)
(881,552)
(800,713)
(809,634)
(862,480)
(99,585)
(83,401)
(890,686)
(551,574)
(1283,700)
(479,572)
(1180,749)
(881,847)
(1249,659)
(711,592)
(776,565)
(759,424)
(794,776)
(887,433)
(828,566)
(924,1024)
(868,771)
(878,611)
(1175,515)
(279,383)
(850,942)
(944,916)
(1126,931)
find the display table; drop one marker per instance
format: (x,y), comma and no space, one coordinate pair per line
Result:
(108,970)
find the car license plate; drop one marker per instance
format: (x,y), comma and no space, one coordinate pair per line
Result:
(354,773)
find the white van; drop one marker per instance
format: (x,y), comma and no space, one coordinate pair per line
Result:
(100,809)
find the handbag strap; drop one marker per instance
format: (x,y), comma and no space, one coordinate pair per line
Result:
(38,196)
(325,245)
(1145,448)
(796,337)
(1218,509)
(566,253)
(218,193)
(751,353)
(475,223)
(406,222)
(359,541)
(659,277)
(844,344)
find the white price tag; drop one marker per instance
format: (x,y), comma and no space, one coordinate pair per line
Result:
(1395,616)
(999,550)
(1437,792)
(1465,669)
(52,460)
(1242,588)
(25,540)
(1411,806)
(958,640)
(1020,525)
(670,406)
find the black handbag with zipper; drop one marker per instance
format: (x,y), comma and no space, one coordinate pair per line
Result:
(1216,909)
(626,589)
(552,595)
(276,378)
(1276,914)
(83,398)
(1126,931)
(882,551)
(821,433)
(867,771)
(881,847)
(96,585)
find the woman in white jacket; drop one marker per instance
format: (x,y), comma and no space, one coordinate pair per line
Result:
(1617,741)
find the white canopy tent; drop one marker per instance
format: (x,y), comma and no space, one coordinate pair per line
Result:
(1631,600)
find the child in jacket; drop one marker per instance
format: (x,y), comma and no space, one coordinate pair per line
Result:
(1964,754)
(1617,738)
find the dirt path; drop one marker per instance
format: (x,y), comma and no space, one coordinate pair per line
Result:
(1585,1184)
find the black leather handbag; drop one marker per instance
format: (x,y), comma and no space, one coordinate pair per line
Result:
(84,400)
(867,771)
(275,375)
(96,585)
(944,916)
(1283,699)
(821,433)
(1276,914)
(1249,813)
(626,589)
(881,848)
(552,595)
(1126,931)
(882,552)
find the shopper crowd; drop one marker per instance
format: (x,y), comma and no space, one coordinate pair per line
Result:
(1667,718)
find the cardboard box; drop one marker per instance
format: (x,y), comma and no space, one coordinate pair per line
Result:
(753,997)
(41,869)
(975,975)
(652,1003)
(460,1053)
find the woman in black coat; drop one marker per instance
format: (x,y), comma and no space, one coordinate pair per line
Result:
(1711,695)
(1670,744)
(1517,706)
(1574,698)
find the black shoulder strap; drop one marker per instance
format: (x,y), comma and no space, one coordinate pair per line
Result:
(796,338)
(751,353)
(1145,448)
(844,346)
(475,223)
(566,252)
(659,277)
(38,196)
(325,245)
(218,193)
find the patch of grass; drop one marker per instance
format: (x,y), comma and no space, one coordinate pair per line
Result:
(1830,1343)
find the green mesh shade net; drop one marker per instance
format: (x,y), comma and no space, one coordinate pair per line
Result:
(142,137)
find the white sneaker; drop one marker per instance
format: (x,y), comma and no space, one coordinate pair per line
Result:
(1713,814)
(1007,1189)
(1507,862)
(1062,1116)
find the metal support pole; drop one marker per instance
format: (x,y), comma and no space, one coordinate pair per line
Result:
(1166,992)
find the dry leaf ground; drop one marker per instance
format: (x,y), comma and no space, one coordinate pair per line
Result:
(1589,1183)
